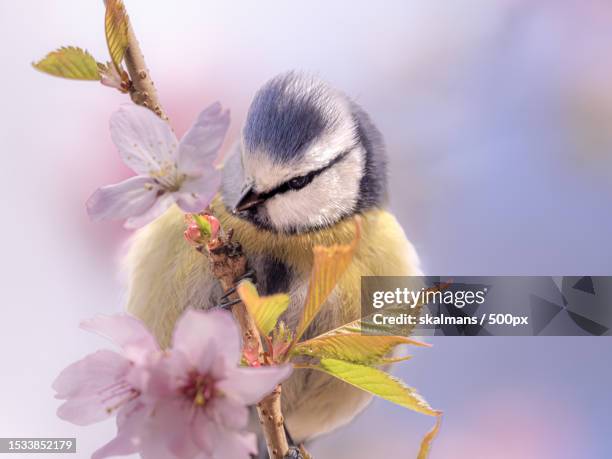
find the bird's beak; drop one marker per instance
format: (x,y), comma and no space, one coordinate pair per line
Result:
(248,200)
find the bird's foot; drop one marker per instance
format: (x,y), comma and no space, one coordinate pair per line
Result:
(294,453)
(249,274)
(226,303)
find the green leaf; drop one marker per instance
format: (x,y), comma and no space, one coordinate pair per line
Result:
(69,62)
(352,347)
(203,224)
(265,310)
(116,30)
(367,326)
(329,265)
(376,382)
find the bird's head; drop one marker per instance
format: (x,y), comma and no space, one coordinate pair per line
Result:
(310,157)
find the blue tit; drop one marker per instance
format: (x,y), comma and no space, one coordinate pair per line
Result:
(309,159)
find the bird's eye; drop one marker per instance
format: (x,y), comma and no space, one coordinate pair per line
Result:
(297,183)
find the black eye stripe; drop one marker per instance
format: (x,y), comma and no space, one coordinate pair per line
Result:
(285,186)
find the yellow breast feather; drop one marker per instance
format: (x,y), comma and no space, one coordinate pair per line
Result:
(166,274)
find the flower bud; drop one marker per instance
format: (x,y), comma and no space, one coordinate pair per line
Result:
(192,234)
(215,225)
(251,356)
(201,228)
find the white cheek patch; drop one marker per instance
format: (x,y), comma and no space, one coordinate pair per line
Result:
(328,198)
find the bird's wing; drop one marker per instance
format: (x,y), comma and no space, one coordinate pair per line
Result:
(166,275)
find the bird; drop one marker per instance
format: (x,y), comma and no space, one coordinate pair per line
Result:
(308,160)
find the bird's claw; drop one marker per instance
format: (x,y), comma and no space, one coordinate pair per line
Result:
(227,294)
(249,274)
(228,304)
(294,453)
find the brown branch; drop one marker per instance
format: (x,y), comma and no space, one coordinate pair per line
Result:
(226,257)
(228,263)
(272,424)
(142,88)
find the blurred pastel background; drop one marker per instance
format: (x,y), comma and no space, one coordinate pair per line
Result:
(498,121)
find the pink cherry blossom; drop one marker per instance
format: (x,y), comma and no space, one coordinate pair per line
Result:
(105,381)
(189,402)
(168,171)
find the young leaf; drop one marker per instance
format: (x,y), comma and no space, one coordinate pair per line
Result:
(109,76)
(69,62)
(203,224)
(367,326)
(116,30)
(329,265)
(429,438)
(356,348)
(280,342)
(265,310)
(390,360)
(376,382)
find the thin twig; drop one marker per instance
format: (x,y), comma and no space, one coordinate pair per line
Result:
(228,263)
(227,259)
(142,89)
(272,424)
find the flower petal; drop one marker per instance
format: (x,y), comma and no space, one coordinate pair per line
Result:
(130,421)
(234,445)
(196,193)
(207,336)
(200,146)
(145,142)
(91,386)
(129,198)
(250,385)
(163,203)
(217,442)
(163,378)
(83,411)
(228,413)
(202,430)
(127,332)
(90,374)
(168,431)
